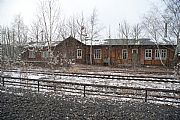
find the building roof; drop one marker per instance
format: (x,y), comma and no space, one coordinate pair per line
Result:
(142,41)
(94,42)
(42,44)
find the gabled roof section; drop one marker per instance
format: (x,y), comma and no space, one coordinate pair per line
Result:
(72,38)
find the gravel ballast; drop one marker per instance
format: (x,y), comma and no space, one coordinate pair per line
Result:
(23,105)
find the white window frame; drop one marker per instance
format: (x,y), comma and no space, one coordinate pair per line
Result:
(161,54)
(136,50)
(79,53)
(157,54)
(1,51)
(32,54)
(124,53)
(149,52)
(97,53)
(45,54)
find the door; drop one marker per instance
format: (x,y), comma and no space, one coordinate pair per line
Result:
(134,56)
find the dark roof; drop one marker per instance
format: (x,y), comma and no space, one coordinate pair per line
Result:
(40,44)
(72,38)
(142,41)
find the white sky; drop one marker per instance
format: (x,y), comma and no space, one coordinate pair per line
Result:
(110,12)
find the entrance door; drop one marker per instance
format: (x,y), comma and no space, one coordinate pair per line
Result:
(134,56)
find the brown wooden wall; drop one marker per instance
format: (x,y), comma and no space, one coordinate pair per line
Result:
(67,49)
(116,55)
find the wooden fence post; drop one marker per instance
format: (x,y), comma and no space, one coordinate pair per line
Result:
(38,86)
(3,81)
(54,87)
(145,95)
(84,91)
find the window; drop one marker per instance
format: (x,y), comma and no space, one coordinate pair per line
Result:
(97,54)
(0,51)
(157,54)
(79,53)
(32,54)
(45,54)
(148,54)
(161,54)
(124,54)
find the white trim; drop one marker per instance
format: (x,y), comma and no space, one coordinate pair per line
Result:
(79,53)
(97,56)
(45,54)
(32,54)
(157,54)
(147,51)
(161,53)
(135,49)
(125,53)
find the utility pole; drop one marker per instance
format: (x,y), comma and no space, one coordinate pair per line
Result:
(109,48)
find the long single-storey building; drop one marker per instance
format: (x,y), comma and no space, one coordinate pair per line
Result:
(109,52)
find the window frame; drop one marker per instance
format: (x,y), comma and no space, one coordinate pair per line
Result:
(136,51)
(149,52)
(157,54)
(97,56)
(32,54)
(45,54)
(124,53)
(79,57)
(162,54)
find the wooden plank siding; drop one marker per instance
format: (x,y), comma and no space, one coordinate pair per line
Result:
(116,55)
(67,49)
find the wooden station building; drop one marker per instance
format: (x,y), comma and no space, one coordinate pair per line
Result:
(109,52)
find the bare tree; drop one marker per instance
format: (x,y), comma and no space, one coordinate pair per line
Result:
(172,18)
(153,25)
(49,16)
(8,53)
(125,29)
(36,31)
(93,31)
(81,27)
(136,31)
(21,30)
(63,30)
(72,26)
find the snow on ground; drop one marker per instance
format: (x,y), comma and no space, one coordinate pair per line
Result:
(99,81)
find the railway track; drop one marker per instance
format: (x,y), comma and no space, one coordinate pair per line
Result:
(152,88)
(132,71)
(103,76)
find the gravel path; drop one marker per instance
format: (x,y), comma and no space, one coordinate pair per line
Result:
(26,105)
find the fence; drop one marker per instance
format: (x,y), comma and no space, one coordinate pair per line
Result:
(146,94)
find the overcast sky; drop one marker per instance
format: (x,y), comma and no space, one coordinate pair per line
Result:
(110,12)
